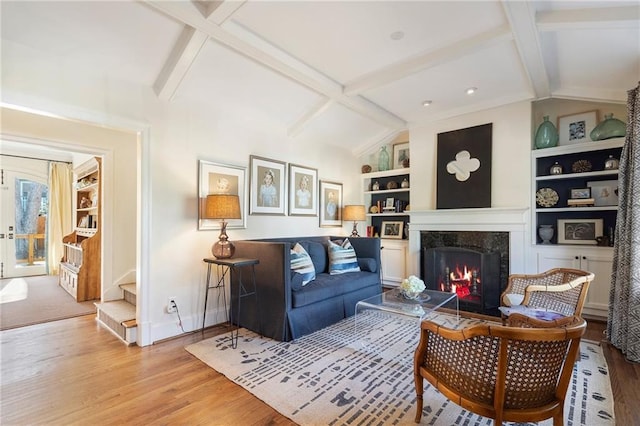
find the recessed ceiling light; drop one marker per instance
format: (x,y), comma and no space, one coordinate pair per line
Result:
(398,35)
(426,103)
(471,90)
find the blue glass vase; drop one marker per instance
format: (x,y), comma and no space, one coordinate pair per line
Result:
(546,135)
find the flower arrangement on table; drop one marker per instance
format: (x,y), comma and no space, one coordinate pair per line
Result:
(411,287)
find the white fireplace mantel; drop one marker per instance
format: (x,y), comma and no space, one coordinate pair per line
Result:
(500,219)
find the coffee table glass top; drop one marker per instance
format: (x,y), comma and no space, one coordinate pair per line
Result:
(393,301)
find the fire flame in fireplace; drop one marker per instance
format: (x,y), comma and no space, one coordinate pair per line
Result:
(462,280)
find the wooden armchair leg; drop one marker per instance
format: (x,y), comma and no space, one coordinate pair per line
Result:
(419,390)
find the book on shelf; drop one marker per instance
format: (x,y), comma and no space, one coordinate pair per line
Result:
(581,202)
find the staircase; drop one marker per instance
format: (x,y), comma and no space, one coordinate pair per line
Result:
(119,316)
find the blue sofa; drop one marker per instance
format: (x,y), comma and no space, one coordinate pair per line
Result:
(286,308)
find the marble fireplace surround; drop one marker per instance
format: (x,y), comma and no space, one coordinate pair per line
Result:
(511,220)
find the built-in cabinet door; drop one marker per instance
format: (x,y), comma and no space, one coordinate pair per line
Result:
(598,260)
(394,261)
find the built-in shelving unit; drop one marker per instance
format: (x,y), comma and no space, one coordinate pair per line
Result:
(80,266)
(378,198)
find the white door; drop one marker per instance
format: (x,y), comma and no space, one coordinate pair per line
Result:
(24,203)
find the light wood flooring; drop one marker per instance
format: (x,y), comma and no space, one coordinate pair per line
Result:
(74,372)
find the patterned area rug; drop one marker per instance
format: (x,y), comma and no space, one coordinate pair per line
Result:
(333,377)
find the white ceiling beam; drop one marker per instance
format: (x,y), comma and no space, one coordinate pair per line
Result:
(187,13)
(182,56)
(218,11)
(313,112)
(595,18)
(427,60)
(521,18)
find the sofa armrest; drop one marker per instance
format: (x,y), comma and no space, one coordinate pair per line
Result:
(273,282)
(367,247)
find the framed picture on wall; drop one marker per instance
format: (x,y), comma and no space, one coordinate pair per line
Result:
(330,204)
(303,191)
(268,186)
(216,178)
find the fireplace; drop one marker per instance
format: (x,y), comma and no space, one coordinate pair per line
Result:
(473,264)
(473,275)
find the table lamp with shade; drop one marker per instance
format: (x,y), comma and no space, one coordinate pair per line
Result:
(222,206)
(355,213)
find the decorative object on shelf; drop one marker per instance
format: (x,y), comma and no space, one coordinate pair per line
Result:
(579,231)
(373,209)
(383,159)
(556,169)
(85,203)
(375,186)
(546,135)
(392,185)
(609,128)
(581,193)
(222,206)
(603,241)
(392,229)
(405,163)
(366,168)
(355,213)
(546,233)
(612,163)
(581,166)
(575,128)
(411,287)
(407,208)
(546,197)
(405,183)
(400,154)
(580,197)
(605,192)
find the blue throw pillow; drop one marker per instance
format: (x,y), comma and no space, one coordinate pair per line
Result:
(318,254)
(367,264)
(342,258)
(302,264)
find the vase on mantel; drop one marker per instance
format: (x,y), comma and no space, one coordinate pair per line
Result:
(546,135)
(546,233)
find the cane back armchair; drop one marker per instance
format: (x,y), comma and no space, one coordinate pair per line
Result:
(518,374)
(561,290)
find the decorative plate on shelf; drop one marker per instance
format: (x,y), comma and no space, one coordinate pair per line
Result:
(546,197)
(581,166)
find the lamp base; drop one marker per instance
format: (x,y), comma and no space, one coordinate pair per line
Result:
(223,249)
(354,233)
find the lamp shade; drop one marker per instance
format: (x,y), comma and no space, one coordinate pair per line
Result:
(354,212)
(222,206)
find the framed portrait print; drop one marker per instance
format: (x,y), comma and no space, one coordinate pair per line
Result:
(268,194)
(579,231)
(576,128)
(330,204)
(392,229)
(214,178)
(303,191)
(400,154)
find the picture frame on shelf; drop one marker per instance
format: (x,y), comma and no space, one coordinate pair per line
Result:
(330,201)
(392,229)
(400,154)
(575,128)
(303,191)
(580,193)
(218,178)
(268,194)
(579,231)
(605,192)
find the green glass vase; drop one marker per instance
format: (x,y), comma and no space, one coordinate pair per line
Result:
(609,128)
(383,159)
(546,135)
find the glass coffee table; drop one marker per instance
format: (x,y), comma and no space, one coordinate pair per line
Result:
(393,303)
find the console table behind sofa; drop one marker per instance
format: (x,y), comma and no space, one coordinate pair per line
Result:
(288,311)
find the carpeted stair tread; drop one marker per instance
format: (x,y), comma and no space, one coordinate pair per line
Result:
(130,287)
(118,310)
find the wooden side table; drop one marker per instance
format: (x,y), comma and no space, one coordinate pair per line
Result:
(231,267)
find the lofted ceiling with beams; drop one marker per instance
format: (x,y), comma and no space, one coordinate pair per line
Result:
(347,73)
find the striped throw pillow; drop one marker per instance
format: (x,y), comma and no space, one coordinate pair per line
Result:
(342,258)
(302,264)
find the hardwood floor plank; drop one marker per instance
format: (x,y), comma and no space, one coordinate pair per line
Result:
(74,372)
